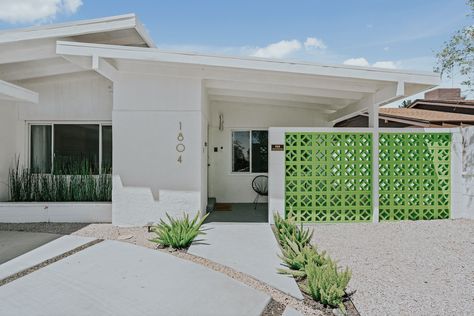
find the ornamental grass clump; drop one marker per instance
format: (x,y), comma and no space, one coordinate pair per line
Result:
(25,185)
(296,259)
(327,283)
(178,233)
(318,274)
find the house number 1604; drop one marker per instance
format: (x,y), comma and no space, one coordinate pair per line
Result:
(180,148)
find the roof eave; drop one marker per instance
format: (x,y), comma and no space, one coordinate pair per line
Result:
(424,79)
(77,28)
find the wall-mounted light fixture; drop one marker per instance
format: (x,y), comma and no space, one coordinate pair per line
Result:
(221,121)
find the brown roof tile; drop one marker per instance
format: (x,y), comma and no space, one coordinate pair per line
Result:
(425,115)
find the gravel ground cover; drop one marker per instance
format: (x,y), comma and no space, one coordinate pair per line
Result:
(406,268)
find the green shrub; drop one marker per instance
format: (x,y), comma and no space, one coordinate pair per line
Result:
(326,284)
(178,233)
(296,259)
(27,186)
(287,231)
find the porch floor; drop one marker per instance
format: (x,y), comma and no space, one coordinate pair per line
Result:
(241,212)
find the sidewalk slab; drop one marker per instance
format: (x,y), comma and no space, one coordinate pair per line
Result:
(116,278)
(47,251)
(248,248)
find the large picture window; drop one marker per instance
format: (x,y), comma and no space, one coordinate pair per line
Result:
(71,148)
(250,151)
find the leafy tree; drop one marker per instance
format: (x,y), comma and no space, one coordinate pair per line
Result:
(457,54)
(405,104)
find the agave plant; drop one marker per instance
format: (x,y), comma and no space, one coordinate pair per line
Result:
(287,230)
(326,284)
(178,233)
(297,258)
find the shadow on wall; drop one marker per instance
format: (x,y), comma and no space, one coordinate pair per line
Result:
(136,206)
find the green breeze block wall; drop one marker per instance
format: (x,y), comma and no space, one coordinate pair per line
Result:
(328,177)
(414,176)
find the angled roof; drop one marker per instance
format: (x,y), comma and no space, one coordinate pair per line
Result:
(84,28)
(429,79)
(425,115)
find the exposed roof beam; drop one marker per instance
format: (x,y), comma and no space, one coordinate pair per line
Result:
(11,92)
(104,68)
(277,96)
(20,52)
(284,89)
(339,71)
(37,69)
(390,93)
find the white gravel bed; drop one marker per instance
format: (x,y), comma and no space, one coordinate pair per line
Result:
(406,268)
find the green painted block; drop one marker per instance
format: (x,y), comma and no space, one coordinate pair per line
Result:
(328,177)
(414,176)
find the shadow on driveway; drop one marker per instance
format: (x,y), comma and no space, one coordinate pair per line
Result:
(14,243)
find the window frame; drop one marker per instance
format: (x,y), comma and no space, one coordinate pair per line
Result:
(250,172)
(52,123)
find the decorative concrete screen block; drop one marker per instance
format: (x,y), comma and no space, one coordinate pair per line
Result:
(414,176)
(328,177)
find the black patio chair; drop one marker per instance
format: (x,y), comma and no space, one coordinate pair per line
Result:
(260,186)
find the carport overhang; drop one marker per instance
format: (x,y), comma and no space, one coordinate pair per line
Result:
(12,92)
(336,91)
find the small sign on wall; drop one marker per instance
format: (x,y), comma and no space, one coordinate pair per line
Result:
(278,147)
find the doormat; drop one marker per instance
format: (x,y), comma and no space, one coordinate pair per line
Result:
(223,207)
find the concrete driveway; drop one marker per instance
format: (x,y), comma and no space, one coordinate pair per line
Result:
(116,278)
(14,244)
(406,268)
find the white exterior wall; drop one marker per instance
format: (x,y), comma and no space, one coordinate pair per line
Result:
(56,212)
(147,113)
(205,114)
(8,116)
(80,97)
(465,160)
(228,187)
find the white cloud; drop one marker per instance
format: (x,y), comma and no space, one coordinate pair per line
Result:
(386,48)
(361,61)
(29,11)
(278,50)
(313,42)
(385,64)
(357,62)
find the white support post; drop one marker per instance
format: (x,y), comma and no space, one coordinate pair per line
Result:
(374,125)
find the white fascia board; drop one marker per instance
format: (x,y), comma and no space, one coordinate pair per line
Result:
(9,91)
(141,30)
(342,71)
(109,24)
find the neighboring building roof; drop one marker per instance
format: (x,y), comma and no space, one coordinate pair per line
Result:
(117,28)
(444,107)
(427,116)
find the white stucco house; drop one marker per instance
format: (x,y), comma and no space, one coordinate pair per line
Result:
(166,121)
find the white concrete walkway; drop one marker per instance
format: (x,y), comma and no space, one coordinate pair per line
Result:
(115,278)
(47,251)
(248,248)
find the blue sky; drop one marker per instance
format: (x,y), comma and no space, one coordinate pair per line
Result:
(398,33)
